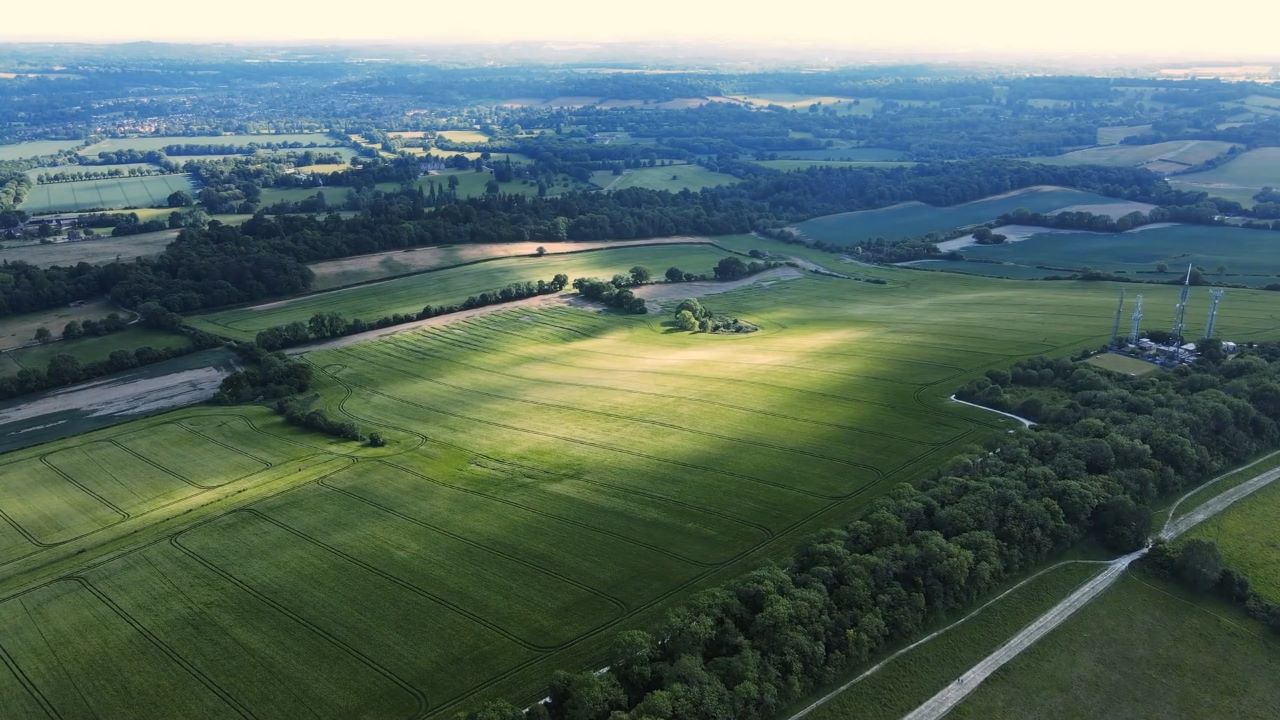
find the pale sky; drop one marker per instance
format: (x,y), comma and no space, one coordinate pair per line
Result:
(1168,29)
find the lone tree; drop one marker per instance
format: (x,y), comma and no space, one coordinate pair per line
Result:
(674,274)
(686,321)
(43,335)
(730,268)
(180,198)
(640,275)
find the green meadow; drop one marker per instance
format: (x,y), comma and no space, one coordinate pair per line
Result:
(1240,179)
(551,475)
(108,193)
(670,177)
(914,219)
(1143,649)
(1249,539)
(1250,257)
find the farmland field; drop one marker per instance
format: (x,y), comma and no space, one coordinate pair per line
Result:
(92,349)
(672,177)
(110,193)
(552,475)
(1123,364)
(1251,257)
(36,148)
(789,165)
(410,294)
(1249,539)
(102,248)
(1172,155)
(463,136)
(916,219)
(1142,649)
(159,142)
(1114,134)
(1239,179)
(910,679)
(363,268)
(863,154)
(18,330)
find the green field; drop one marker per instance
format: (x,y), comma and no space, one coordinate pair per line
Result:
(111,193)
(1251,257)
(1174,153)
(1115,133)
(102,248)
(905,682)
(36,148)
(463,136)
(92,349)
(552,476)
(915,219)
(159,142)
(18,330)
(1239,179)
(1122,364)
(1144,649)
(450,286)
(862,154)
(1248,537)
(673,177)
(789,165)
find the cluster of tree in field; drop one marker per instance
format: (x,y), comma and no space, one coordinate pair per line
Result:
(1202,213)
(326,325)
(86,328)
(1109,445)
(296,414)
(615,293)
(1198,566)
(266,376)
(692,316)
(65,176)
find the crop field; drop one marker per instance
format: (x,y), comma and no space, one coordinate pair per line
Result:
(1249,539)
(109,193)
(91,349)
(1142,649)
(915,219)
(363,268)
(674,178)
(1173,155)
(101,249)
(36,148)
(1251,257)
(463,136)
(551,476)
(159,142)
(1113,134)
(912,678)
(18,330)
(789,165)
(1239,179)
(409,294)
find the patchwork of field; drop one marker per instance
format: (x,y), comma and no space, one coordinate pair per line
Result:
(36,148)
(1143,649)
(450,286)
(552,475)
(1164,157)
(1250,257)
(1240,179)
(101,249)
(672,177)
(915,219)
(363,268)
(908,680)
(159,142)
(111,193)
(1249,539)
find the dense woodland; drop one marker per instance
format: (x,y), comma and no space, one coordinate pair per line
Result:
(1108,447)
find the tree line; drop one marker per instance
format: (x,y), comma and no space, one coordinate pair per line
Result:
(1108,447)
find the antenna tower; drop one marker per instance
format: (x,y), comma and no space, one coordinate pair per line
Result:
(1215,296)
(1115,326)
(1136,321)
(1180,311)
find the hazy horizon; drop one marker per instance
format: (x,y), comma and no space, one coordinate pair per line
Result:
(1089,30)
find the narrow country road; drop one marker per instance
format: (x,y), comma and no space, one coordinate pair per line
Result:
(950,696)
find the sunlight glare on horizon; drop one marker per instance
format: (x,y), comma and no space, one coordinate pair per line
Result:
(981,27)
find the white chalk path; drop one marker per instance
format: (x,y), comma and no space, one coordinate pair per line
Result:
(1025,422)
